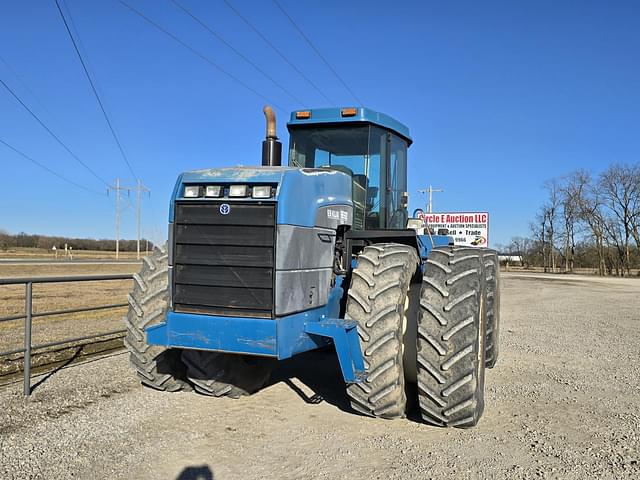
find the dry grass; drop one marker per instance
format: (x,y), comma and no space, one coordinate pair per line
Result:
(62,296)
(42,253)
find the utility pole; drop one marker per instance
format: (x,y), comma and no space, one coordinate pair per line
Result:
(117,188)
(139,189)
(430,191)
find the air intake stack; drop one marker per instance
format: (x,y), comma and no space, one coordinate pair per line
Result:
(271,147)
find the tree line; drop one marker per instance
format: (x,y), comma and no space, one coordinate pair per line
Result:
(586,221)
(24,240)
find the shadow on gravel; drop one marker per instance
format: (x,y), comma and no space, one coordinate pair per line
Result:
(319,371)
(57,369)
(202,472)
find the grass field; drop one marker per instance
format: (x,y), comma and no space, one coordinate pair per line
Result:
(41,253)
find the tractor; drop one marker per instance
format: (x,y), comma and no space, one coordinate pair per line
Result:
(263,263)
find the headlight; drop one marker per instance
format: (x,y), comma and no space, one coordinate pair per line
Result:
(192,191)
(239,191)
(263,191)
(213,191)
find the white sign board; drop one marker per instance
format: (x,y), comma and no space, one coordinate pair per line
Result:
(466,228)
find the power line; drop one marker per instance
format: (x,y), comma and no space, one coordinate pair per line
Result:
(275,49)
(51,133)
(44,167)
(313,47)
(237,52)
(95,91)
(140,188)
(201,55)
(22,82)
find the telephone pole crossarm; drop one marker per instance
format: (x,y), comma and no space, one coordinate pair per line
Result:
(118,188)
(430,191)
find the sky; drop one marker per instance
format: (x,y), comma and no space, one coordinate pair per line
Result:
(498,96)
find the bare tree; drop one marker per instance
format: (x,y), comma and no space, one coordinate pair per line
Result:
(588,206)
(635,204)
(570,191)
(538,230)
(589,222)
(620,189)
(523,247)
(552,209)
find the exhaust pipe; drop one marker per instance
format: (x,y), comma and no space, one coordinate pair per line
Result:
(271,147)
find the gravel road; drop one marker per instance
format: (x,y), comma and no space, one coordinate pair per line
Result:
(563,402)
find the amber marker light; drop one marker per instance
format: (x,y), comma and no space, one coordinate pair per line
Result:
(303,115)
(348,112)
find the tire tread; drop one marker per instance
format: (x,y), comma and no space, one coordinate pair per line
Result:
(375,300)
(450,338)
(156,366)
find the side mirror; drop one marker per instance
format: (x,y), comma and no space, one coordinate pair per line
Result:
(372,192)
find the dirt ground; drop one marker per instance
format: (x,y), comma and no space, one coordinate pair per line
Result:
(563,402)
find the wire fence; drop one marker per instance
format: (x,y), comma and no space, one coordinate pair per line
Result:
(29,315)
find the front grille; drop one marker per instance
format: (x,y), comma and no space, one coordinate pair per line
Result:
(223,264)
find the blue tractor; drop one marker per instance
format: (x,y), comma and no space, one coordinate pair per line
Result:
(264,263)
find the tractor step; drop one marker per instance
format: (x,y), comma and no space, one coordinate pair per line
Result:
(344,334)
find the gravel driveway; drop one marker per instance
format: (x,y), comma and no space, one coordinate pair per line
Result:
(563,402)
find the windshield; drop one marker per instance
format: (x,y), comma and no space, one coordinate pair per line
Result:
(373,157)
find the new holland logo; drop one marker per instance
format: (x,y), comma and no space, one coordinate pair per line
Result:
(225,209)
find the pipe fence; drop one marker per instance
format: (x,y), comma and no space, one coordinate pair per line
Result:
(28,316)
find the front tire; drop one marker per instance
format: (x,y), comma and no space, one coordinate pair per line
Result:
(219,374)
(376,300)
(451,338)
(156,366)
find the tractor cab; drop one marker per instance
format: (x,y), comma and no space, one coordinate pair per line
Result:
(368,146)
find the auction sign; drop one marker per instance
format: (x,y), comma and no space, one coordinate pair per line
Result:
(466,228)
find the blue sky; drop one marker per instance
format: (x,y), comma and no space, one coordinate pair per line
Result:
(499,96)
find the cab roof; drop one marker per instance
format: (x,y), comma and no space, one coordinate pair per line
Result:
(336,115)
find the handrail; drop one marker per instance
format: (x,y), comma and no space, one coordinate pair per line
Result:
(28,315)
(64,279)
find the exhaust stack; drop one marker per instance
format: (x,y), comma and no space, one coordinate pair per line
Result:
(271,147)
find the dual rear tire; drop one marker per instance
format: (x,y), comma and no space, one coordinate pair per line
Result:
(376,300)
(451,336)
(492,280)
